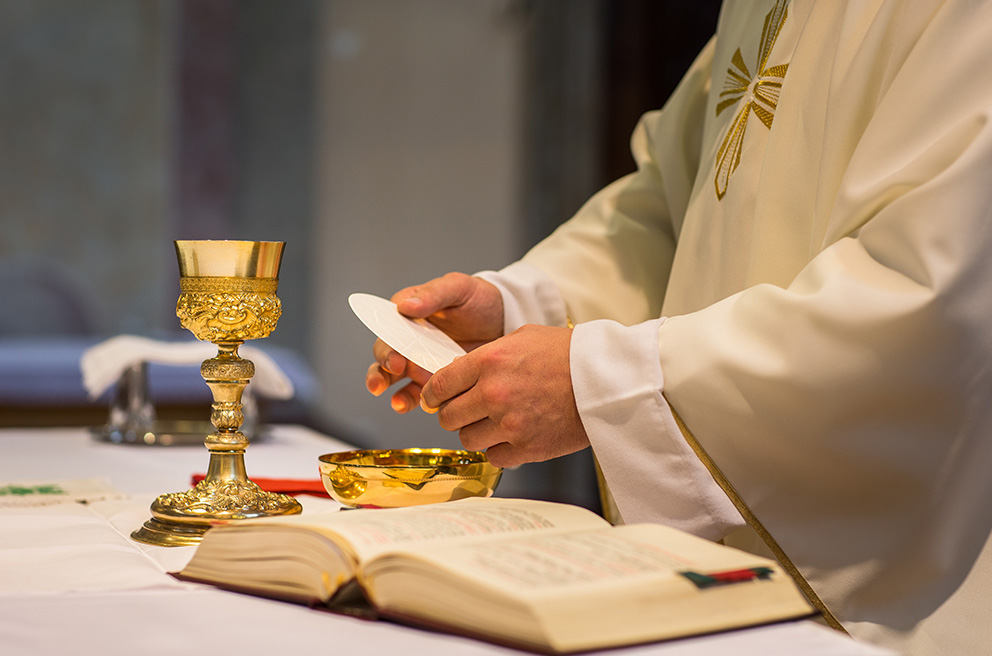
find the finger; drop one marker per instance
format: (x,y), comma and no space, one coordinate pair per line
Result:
(426,408)
(484,436)
(450,381)
(464,410)
(406,399)
(376,380)
(388,359)
(418,374)
(479,436)
(505,454)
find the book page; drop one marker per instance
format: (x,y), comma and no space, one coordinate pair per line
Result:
(588,558)
(584,589)
(369,532)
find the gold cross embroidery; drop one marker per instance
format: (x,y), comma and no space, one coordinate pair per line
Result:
(760,93)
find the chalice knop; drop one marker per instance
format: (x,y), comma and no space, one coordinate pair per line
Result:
(227,295)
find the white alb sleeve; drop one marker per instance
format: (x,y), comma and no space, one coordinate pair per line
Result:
(652,473)
(529,296)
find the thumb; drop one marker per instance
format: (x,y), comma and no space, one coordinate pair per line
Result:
(421,301)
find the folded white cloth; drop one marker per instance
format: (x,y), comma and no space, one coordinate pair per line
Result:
(103,364)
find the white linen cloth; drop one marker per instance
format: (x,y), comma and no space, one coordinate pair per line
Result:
(72,547)
(103,363)
(68,568)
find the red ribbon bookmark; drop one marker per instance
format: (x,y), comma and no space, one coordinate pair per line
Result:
(730,576)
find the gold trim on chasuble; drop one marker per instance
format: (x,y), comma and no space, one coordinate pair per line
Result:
(759,91)
(756,524)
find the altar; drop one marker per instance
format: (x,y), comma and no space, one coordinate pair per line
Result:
(72,580)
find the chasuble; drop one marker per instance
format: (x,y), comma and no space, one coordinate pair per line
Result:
(784,316)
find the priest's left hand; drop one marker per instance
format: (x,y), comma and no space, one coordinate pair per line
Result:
(511,397)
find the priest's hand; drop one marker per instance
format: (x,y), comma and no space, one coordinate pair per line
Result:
(468,309)
(511,398)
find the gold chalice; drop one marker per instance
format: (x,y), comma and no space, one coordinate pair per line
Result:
(227,295)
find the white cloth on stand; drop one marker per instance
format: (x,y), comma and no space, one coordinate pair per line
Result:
(103,364)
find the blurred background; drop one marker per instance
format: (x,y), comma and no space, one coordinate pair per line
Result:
(386,141)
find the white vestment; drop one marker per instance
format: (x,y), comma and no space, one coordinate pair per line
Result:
(812,213)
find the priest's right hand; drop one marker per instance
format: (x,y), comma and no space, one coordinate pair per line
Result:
(468,309)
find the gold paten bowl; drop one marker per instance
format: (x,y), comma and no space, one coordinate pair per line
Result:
(391,478)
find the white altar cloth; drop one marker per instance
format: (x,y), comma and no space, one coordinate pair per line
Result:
(72,582)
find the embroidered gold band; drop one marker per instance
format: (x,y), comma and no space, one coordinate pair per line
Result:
(755,524)
(607,504)
(231,285)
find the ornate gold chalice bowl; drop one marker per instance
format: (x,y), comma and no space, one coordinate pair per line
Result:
(227,296)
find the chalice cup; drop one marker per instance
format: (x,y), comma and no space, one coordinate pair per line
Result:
(227,295)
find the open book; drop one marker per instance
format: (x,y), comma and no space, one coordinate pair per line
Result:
(541,576)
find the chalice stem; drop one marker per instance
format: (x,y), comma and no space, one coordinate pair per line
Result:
(227,375)
(228,466)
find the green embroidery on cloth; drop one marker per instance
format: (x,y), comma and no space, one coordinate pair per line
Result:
(25,490)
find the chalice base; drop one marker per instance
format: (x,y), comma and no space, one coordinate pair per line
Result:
(169,534)
(182,518)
